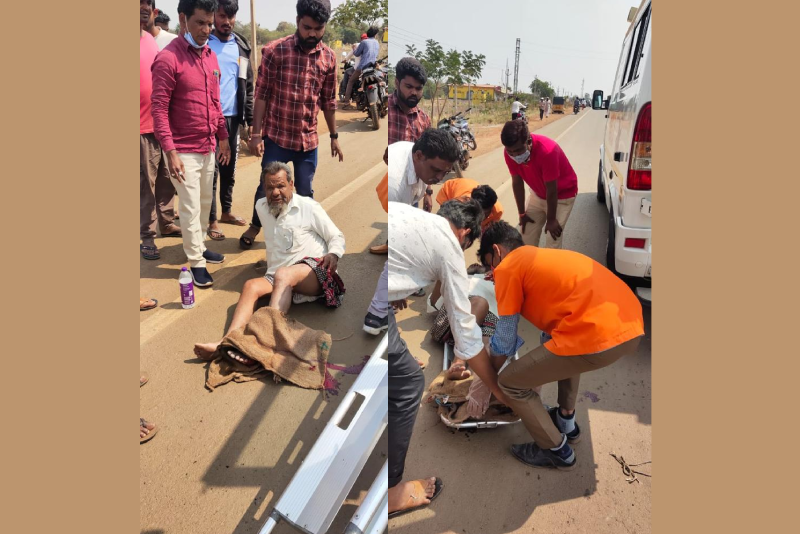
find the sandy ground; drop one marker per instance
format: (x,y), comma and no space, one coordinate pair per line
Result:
(222,458)
(486,490)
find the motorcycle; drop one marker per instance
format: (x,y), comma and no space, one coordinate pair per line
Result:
(348,67)
(370,94)
(576,107)
(458,127)
(522,117)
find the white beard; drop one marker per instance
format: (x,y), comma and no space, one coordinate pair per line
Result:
(278,209)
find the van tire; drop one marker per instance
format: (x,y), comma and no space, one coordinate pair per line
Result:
(601,189)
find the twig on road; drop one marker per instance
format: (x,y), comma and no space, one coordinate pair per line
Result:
(626,469)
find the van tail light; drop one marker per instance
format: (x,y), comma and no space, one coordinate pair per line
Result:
(634,242)
(639,172)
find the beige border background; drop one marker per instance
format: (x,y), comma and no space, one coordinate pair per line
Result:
(725,315)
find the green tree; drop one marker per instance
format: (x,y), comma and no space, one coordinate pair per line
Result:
(472,67)
(541,88)
(358,12)
(433,59)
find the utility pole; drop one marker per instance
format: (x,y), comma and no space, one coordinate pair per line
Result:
(516,67)
(582,80)
(253,43)
(508,73)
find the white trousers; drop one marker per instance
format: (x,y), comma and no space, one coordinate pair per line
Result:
(194,206)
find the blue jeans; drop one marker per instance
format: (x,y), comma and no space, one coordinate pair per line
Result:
(304,165)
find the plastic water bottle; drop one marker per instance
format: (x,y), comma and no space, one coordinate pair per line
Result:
(187,289)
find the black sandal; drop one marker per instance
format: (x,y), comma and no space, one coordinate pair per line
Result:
(245,243)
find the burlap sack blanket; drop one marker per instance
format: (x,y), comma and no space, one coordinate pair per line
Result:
(450,397)
(283,346)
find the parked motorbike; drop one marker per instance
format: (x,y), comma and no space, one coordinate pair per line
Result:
(370,94)
(522,117)
(347,70)
(458,127)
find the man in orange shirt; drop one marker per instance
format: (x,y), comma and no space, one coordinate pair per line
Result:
(593,319)
(466,188)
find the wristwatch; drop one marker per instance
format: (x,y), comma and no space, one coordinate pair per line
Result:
(334,136)
(429,191)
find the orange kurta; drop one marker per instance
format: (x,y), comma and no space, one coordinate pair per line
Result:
(580,303)
(462,187)
(383,192)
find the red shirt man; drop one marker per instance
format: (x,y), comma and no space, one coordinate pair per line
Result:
(540,163)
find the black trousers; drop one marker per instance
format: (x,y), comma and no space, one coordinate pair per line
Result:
(224,174)
(406,386)
(541,114)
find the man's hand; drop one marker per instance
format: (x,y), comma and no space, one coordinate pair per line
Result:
(175,166)
(554,228)
(427,203)
(224,156)
(256,145)
(386,156)
(523,220)
(336,150)
(489,277)
(248,133)
(401,304)
(330,262)
(482,367)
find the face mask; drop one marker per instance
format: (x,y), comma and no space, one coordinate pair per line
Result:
(191,41)
(522,158)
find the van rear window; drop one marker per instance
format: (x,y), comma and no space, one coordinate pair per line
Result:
(558,100)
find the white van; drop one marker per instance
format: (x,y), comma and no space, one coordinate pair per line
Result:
(624,182)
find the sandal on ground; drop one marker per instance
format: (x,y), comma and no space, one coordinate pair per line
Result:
(231,354)
(418,494)
(216,235)
(149,306)
(151,433)
(149,252)
(172,231)
(144,378)
(237,221)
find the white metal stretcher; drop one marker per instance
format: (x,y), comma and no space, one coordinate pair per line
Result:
(316,492)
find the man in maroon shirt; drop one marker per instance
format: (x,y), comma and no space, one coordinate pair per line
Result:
(296,79)
(188,118)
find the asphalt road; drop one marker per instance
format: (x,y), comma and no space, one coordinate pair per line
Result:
(222,459)
(486,490)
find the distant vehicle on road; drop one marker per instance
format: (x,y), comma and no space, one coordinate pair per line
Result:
(558,104)
(624,181)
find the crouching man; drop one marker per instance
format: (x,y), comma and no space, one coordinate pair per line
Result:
(593,319)
(303,251)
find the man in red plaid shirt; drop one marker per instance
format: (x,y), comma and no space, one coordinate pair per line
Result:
(296,79)
(406,120)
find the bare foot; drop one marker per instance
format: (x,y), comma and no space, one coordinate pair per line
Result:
(205,351)
(412,494)
(458,370)
(146,430)
(230,218)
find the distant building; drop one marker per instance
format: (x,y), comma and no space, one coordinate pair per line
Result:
(476,93)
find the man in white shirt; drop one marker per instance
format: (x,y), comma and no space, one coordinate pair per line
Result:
(413,168)
(515,107)
(303,250)
(424,248)
(162,37)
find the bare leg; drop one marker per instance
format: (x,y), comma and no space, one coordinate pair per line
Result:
(458,369)
(253,290)
(298,278)
(436,293)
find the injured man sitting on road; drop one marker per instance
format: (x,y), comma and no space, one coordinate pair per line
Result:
(303,250)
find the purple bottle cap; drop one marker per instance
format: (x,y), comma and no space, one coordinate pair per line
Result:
(184,269)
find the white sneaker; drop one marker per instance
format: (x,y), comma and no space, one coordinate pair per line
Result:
(297,298)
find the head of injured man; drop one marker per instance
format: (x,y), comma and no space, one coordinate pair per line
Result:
(278,184)
(433,155)
(497,241)
(465,217)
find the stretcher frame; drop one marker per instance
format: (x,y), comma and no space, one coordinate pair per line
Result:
(322,482)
